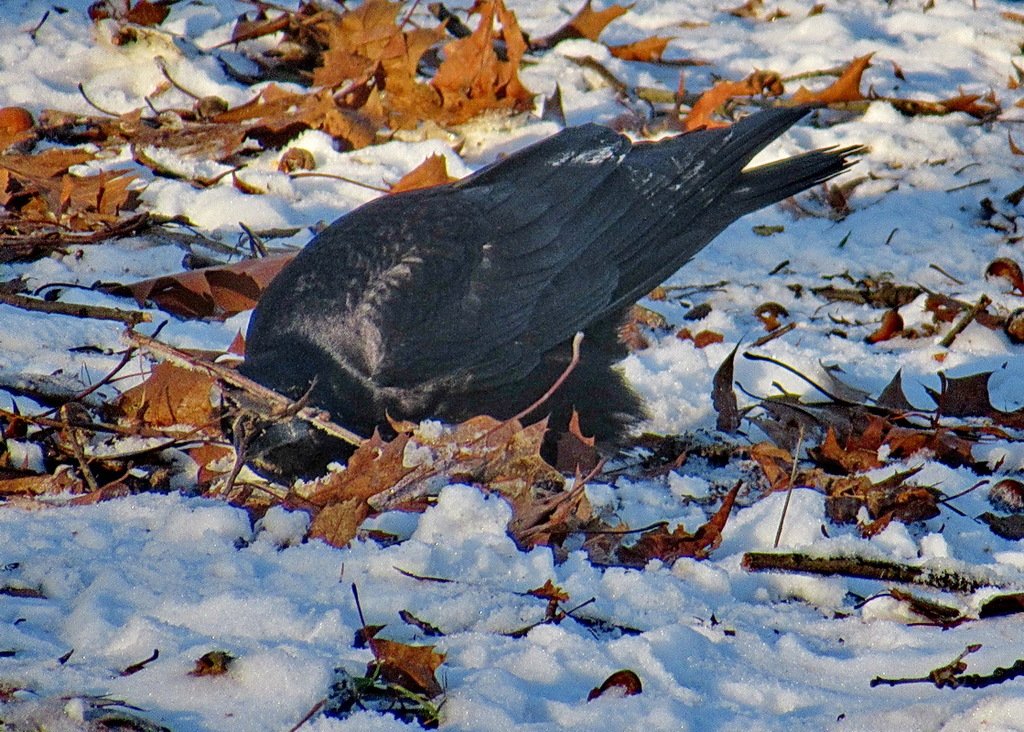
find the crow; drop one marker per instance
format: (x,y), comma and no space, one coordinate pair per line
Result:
(464,299)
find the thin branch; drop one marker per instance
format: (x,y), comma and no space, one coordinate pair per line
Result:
(789,490)
(967,681)
(979,182)
(983,302)
(75,442)
(97,312)
(342,178)
(103,427)
(573,362)
(769,337)
(256,244)
(277,402)
(863,568)
(32,33)
(757,357)
(943,272)
(309,715)
(125,360)
(162,65)
(91,103)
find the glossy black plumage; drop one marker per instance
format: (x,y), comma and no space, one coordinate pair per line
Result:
(463,299)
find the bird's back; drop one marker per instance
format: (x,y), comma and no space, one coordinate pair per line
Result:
(461,299)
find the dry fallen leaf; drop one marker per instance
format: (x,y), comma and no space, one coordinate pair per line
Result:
(212,663)
(431,172)
(575,451)
(844,89)
(668,546)
(171,396)
(701,339)
(341,498)
(213,292)
(1007,269)
(586,23)
(647,49)
(411,667)
(723,396)
(624,682)
(473,78)
(759,83)
(890,327)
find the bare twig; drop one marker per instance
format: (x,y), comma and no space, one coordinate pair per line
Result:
(548,620)
(75,443)
(757,357)
(256,243)
(91,103)
(32,33)
(983,302)
(342,178)
(789,490)
(777,333)
(979,182)
(309,715)
(125,360)
(863,568)
(958,680)
(243,434)
(279,403)
(834,71)
(102,427)
(573,362)
(943,272)
(97,312)
(589,62)
(162,65)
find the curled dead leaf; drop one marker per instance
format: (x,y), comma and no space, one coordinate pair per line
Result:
(769,313)
(890,327)
(1014,326)
(1013,146)
(723,396)
(213,663)
(14,120)
(668,546)
(701,339)
(1007,495)
(976,105)
(213,292)
(296,158)
(624,682)
(575,452)
(1007,269)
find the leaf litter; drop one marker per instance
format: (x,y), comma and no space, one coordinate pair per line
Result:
(359,76)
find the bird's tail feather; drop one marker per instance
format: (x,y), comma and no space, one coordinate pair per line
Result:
(773,182)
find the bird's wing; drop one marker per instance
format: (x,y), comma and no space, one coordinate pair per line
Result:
(664,202)
(479,279)
(445,281)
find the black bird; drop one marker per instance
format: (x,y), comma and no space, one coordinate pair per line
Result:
(463,299)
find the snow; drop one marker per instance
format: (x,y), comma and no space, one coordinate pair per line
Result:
(716,647)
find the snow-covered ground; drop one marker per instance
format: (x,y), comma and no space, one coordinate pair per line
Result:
(717,647)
